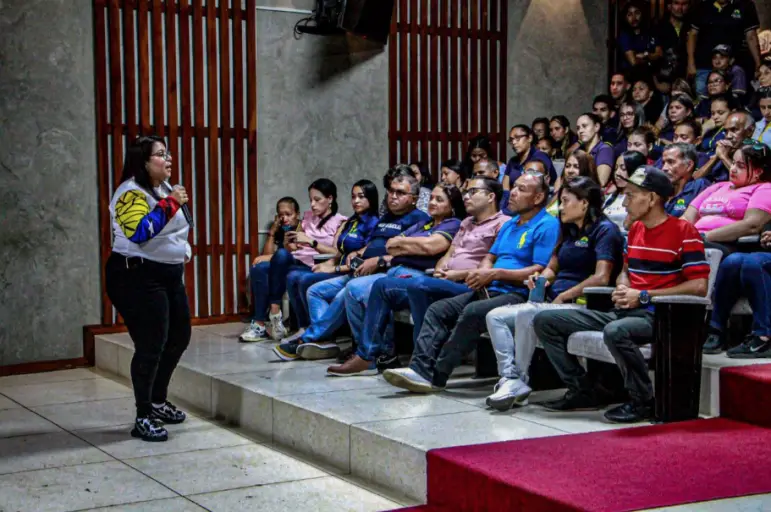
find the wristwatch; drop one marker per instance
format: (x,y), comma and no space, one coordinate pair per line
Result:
(645,298)
(381,262)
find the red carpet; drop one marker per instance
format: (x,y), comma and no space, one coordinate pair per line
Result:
(628,469)
(745,394)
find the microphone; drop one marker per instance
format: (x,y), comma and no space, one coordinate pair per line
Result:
(185,209)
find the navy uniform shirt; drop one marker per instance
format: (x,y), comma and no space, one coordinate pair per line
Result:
(723,25)
(356,233)
(514,168)
(389,226)
(677,205)
(448,228)
(579,253)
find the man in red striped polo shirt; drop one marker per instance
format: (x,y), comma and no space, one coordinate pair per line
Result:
(664,256)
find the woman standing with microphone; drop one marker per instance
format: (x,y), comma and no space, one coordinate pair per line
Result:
(144,279)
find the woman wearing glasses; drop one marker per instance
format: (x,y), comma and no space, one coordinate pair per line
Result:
(144,279)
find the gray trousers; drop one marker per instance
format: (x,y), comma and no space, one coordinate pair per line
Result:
(623,332)
(450,330)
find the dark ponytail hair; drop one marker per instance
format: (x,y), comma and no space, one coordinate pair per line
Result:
(135,163)
(371,193)
(327,189)
(583,188)
(455,198)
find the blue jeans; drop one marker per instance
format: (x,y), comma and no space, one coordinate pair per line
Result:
(268,281)
(744,275)
(700,81)
(326,307)
(297,284)
(414,291)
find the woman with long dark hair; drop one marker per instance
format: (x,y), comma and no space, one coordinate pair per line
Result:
(423,175)
(579,163)
(626,164)
(590,254)
(144,279)
(589,127)
(566,139)
(314,235)
(631,116)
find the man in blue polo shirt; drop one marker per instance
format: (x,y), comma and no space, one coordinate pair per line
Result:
(679,162)
(452,326)
(521,140)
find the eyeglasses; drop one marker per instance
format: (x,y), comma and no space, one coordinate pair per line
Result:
(398,193)
(165,155)
(531,171)
(471,191)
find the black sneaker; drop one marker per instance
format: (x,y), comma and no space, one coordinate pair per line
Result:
(345,355)
(286,351)
(580,401)
(752,348)
(149,429)
(715,344)
(388,362)
(630,412)
(168,413)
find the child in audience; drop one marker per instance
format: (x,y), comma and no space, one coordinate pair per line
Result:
(287,219)
(589,254)
(547,145)
(762,132)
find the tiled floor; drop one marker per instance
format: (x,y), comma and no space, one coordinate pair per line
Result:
(64,446)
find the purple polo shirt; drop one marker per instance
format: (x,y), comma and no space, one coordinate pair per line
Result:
(448,228)
(602,154)
(474,240)
(514,168)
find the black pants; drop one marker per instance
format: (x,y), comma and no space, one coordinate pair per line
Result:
(151,299)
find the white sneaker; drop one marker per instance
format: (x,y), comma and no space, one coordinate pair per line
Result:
(254,332)
(508,393)
(277,330)
(294,337)
(407,378)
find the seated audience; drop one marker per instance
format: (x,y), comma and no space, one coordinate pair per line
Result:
(646,96)
(602,107)
(480,148)
(657,242)
(618,88)
(521,140)
(287,219)
(687,132)
(718,84)
(631,117)
(326,300)
(567,141)
(643,140)
(722,60)
(547,145)
(680,86)
(423,175)
(315,235)
(540,128)
(454,173)
(738,127)
(589,254)
(729,210)
(714,129)
(614,207)
(680,109)
(589,126)
(743,275)
(679,162)
(352,236)
(579,163)
(398,170)
(762,132)
(764,81)
(469,247)
(452,326)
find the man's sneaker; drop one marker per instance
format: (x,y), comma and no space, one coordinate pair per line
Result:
(277,330)
(631,412)
(149,429)
(580,401)
(286,351)
(387,362)
(753,347)
(297,336)
(315,351)
(255,332)
(508,393)
(714,344)
(168,413)
(407,378)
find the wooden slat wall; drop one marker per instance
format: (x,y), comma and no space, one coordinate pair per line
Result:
(447,78)
(178,69)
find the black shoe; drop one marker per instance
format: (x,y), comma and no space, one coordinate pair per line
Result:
(631,412)
(345,355)
(390,362)
(752,348)
(168,413)
(149,429)
(574,401)
(714,344)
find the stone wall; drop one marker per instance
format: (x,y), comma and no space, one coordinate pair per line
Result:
(49,240)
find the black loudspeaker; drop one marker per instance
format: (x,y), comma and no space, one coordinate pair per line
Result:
(370,19)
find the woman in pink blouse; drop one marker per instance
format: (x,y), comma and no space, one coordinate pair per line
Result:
(315,235)
(727,211)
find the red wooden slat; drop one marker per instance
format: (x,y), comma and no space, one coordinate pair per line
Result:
(238,119)
(503,58)
(116,93)
(200,160)
(129,65)
(404,91)
(225,166)
(424,89)
(214,169)
(105,227)
(143,50)
(434,76)
(474,70)
(158,89)
(251,106)
(496,66)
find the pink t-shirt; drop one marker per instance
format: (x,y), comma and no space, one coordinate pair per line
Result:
(325,235)
(473,241)
(720,204)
